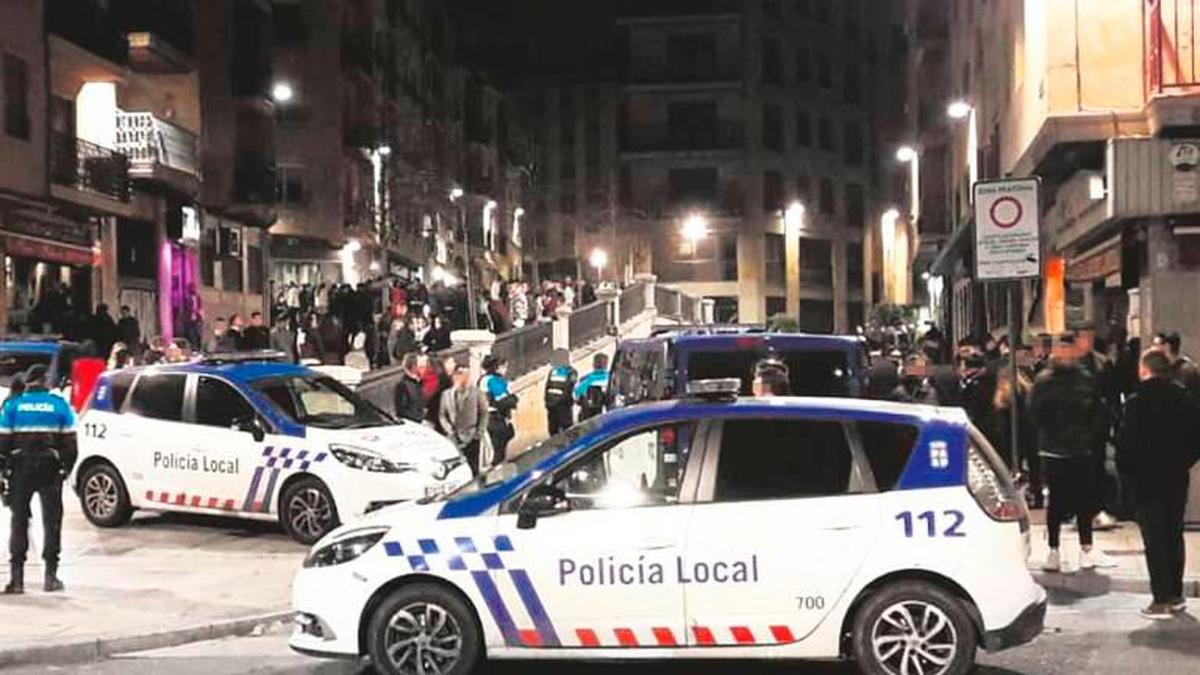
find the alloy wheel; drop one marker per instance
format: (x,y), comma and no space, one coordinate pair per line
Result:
(423,639)
(100,495)
(310,512)
(914,637)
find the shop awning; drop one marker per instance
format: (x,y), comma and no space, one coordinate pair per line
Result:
(960,241)
(24,246)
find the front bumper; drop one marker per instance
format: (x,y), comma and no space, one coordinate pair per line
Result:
(331,599)
(1028,625)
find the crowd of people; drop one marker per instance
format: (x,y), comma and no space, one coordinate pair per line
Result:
(1105,430)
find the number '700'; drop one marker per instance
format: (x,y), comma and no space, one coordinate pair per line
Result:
(931,526)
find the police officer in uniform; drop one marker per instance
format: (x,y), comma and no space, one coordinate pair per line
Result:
(560,387)
(592,390)
(37,452)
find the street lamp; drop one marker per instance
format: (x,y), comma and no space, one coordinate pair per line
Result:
(907,154)
(793,217)
(599,260)
(695,228)
(962,110)
(354,246)
(959,109)
(456,194)
(282,92)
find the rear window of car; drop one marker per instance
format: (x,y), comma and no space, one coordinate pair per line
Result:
(118,386)
(783,459)
(16,363)
(810,373)
(159,397)
(888,447)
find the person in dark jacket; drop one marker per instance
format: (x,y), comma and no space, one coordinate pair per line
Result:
(1183,369)
(401,341)
(223,341)
(256,335)
(37,452)
(438,337)
(283,338)
(409,397)
(1069,417)
(129,331)
(558,394)
(1157,446)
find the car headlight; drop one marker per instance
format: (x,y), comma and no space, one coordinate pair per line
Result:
(367,460)
(442,470)
(344,549)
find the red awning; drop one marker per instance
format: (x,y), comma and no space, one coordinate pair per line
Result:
(47,249)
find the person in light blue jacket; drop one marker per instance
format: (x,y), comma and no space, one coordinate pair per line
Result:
(501,404)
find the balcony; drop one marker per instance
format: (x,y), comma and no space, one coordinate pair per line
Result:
(724,137)
(158,150)
(1170,43)
(87,167)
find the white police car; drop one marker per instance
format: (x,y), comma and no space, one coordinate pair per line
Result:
(251,439)
(786,528)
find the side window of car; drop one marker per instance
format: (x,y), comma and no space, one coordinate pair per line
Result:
(158,396)
(220,405)
(119,384)
(765,459)
(641,469)
(888,447)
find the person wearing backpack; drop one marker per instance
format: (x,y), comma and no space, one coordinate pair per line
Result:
(559,393)
(592,390)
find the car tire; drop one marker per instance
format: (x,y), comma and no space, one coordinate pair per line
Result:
(103,496)
(914,620)
(432,615)
(307,511)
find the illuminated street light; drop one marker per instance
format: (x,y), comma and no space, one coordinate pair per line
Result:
(384,150)
(456,194)
(695,228)
(793,217)
(282,92)
(959,110)
(353,246)
(599,259)
(906,154)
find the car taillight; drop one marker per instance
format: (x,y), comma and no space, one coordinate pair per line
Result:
(992,488)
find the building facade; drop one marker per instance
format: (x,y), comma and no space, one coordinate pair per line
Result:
(1105,117)
(131,147)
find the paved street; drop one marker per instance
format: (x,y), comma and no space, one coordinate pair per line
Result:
(1098,636)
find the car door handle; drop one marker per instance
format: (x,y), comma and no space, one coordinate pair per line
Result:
(840,527)
(655,545)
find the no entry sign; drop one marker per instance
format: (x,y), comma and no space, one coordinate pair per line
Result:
(1006,230)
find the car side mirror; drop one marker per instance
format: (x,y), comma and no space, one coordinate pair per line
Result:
(252,426)
(543,500)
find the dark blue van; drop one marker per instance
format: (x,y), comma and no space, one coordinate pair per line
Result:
(659,367)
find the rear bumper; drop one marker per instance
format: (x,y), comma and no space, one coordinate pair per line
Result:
(1028,625)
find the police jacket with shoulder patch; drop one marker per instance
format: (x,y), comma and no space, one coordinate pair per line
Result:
(38,425)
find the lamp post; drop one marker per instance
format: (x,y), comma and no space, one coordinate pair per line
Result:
(599,260)
(909,155)
(695,228)
(456,198)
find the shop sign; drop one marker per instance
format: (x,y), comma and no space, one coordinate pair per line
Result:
(190,233)
(52,227)
(1185,181)
(1096,266)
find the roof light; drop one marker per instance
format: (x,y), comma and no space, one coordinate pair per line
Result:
(719,389)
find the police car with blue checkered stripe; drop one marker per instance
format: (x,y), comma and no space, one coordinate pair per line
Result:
(711,527)
(243,436)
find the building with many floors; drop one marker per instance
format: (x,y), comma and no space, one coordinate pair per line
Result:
(138,161)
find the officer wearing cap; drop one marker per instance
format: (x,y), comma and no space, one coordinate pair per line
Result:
(37,451)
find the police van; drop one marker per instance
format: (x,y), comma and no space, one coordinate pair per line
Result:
(247,437)
(787,528)
(19,353)
(659,367)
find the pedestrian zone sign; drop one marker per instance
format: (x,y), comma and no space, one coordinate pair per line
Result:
(1007,245)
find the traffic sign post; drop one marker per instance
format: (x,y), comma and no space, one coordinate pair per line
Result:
(1008,249)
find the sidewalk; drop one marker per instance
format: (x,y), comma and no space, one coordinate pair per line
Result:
(1124,545)
(160,581)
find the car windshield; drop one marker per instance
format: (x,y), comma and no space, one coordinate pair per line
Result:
(323,402)
(16,363)
(810,373)
(502,473)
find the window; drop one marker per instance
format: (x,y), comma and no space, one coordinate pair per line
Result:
(772,67)
(692,57)
(16,363)
(159,397)
(827,205)
(772,131)
(772,191)
(692,125)
(816,262)
(804,132)
(887,447)
(254,269)
(856,213)
(804,188)
(119,385)
(16,97)
(853,84)
(289,184)
(783,459)
(825,134)
(321,402)
(220,405)
(567,201)
(854,266)
(208,257)
(804,67)
(644,469)
(852,146)
(729,257)
(816,316)
(688,186)
(776,259)
(824,72)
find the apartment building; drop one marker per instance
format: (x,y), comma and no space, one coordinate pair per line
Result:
(138,161)
(1099,99)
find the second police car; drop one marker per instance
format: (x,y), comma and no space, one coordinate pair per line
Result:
(251,439)
(789,528)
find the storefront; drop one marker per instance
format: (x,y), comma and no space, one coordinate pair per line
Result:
(48,263)
(1094,294)
(304,260)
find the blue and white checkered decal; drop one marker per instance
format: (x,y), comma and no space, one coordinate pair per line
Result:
(494,567)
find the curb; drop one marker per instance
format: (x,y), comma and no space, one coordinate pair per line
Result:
(1091,583)
(97,649)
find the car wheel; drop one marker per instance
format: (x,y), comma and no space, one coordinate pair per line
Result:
(912,628)
(103,496)
(307,511)
(424,628)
